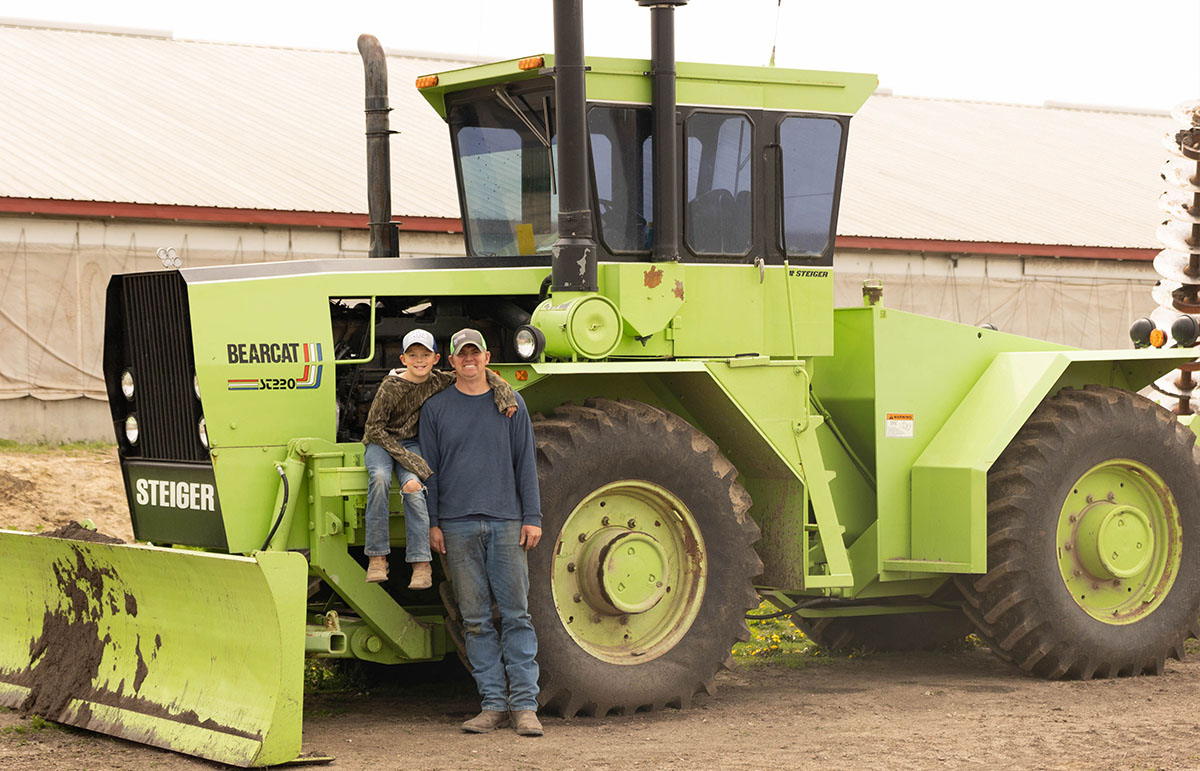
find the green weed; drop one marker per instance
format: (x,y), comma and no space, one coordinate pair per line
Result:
(37,448)
(778,642)
(331,676)
(36,723)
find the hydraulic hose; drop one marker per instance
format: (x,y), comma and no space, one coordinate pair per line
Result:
(282,507)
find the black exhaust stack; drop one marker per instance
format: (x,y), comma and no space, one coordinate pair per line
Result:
(574,265)
(379,164)
(666,168)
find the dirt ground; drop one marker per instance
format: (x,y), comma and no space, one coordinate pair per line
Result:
(913,711)
(45,490)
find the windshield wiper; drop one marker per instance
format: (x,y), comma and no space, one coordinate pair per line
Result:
(542,134)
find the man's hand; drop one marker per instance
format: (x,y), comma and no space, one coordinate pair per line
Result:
(508,413)
(437,542)
(530,535)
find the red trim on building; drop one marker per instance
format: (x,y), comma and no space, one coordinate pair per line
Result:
(993,247)
(149,211)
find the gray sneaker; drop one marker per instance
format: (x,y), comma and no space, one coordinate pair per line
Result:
(485,721)
(526,722)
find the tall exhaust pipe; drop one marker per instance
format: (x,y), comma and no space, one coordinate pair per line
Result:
(665,175)
(379,163)
(573,268)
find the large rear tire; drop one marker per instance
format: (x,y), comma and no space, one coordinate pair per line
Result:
(643,578)
(1093,539)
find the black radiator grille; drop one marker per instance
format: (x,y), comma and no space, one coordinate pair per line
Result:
(160,352)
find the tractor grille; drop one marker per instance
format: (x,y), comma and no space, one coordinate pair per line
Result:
(159,344)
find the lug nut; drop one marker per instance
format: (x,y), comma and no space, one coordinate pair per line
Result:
(570,567)
(632,523)
(578,598)
(604,521)
(582,537)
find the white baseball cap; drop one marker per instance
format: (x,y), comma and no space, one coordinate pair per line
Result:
(419,337)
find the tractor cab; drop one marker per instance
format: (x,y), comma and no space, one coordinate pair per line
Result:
(759,163)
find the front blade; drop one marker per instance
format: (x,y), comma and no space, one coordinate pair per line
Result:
(198,653)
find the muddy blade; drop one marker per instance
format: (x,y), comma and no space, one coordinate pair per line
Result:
(198,653)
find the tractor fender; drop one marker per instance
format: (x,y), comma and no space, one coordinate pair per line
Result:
(949,478)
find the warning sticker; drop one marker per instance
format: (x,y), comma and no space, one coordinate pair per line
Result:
(900,424)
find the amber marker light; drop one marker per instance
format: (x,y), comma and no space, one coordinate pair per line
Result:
(531,63)
(1157,338)
(427,81)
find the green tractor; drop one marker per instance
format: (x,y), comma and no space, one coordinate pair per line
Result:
(650,257)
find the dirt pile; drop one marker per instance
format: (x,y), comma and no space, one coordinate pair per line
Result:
(73,531)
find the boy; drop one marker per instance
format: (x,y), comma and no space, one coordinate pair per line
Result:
(390,437)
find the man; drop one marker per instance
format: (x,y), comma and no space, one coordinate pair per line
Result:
(484,514)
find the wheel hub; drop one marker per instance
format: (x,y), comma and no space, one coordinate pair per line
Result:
(1115,541)
(623,572)
(629,572)
(1118,541)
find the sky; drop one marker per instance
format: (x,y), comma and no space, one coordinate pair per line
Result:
(1124,53)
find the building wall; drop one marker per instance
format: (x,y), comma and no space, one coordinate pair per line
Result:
(53,277)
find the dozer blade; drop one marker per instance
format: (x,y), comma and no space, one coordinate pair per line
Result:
(198,653)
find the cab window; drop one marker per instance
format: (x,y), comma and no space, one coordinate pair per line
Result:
(718,207)
(622,166)
(811,147)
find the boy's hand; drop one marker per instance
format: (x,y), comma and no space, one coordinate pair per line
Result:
(510,411)
(530,535)
(437,542)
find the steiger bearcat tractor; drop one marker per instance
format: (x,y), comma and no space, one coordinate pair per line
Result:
(649,254)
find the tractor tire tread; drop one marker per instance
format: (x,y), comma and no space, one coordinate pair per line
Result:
(1005,603)
(599,423)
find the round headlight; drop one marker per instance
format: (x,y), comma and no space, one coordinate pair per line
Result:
(131,429)
(196,385)
(127,385)
(203,433)
(529,342)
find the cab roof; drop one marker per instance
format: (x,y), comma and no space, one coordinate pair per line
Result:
(722,85)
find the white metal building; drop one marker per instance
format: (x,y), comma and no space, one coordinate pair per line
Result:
(1039,220)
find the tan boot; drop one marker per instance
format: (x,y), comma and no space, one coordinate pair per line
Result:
(422,577)
(377,570)
(485,721)
(526,722)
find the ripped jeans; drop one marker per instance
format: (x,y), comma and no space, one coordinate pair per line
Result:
(486,560)
(380,465)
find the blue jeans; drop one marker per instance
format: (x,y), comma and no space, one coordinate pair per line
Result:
(380,465)
(485,559)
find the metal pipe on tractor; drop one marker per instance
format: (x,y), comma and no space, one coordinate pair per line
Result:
(574,264)
(666,155)
(711,432)
(384,234)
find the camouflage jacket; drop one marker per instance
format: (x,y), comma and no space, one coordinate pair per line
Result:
(397,408)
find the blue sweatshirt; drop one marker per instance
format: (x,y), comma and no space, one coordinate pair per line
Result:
(484,464)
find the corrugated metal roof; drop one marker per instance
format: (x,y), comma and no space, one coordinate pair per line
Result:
(976,171)
(110,117)
(102,116)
